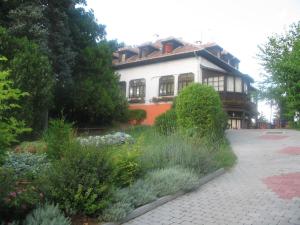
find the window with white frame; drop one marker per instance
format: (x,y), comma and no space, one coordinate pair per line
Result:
(246,87)
(166,86)
(216,81)
(230,84)
(184,80)
(137,88)
(122,86)
(238,84)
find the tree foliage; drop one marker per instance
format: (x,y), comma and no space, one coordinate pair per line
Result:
(58,53)
(280,57)
(10,127)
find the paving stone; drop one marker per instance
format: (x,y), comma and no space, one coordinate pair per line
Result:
(241,196)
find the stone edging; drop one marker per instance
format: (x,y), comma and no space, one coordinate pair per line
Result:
(152,205)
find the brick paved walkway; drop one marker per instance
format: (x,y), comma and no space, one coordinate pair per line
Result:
(263,188)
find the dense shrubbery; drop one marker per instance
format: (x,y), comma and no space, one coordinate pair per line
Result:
(199,111)
(18,195)
(112,175)
(81,181)
(166,123)
(137,115)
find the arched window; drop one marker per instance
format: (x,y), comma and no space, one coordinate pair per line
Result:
(166,86)
(122,86)
(184,80)
(137,88)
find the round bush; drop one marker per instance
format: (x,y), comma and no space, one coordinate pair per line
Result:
(166,123)
(199,110)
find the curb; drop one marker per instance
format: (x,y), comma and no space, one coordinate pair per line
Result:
(152,205)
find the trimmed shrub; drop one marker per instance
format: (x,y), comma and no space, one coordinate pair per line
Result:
(58,137)
(26,164)
(46,215)
(199,111)
(81,182)
(137,114)
(166,123)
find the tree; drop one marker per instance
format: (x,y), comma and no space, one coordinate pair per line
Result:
(71,42)
(94,102)
(280,57)
(10,127)
(31,71)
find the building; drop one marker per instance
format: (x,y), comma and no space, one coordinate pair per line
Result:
(152,74)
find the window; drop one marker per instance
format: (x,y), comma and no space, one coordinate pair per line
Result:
(122,86)
(217,82)
(166,86)
(137,88)
(184,80)
(230,84)
(245,88)
(238,84)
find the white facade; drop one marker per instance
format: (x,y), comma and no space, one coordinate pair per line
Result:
(152,72)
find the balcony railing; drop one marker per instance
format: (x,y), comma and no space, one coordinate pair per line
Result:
(234,100)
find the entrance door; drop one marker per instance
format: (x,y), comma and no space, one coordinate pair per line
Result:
(234,123)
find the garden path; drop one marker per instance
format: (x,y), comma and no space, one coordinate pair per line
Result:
(263,188)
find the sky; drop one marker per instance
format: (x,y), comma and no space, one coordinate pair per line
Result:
(239,26)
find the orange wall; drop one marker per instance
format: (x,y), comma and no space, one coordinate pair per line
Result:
(152,110)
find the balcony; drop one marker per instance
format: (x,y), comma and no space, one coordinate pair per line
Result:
(238,101)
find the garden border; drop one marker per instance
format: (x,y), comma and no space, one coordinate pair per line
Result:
(152,205)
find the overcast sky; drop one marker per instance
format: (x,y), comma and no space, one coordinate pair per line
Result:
(236,25)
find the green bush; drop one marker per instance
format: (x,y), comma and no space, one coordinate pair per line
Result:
(199,111)
(166,123)
(46,215)
(58,137)
(81,182)
(125,162)
(26,164)
(18,196)
(137,114)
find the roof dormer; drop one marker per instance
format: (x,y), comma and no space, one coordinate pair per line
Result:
(126,53)
(146,49)
(215,50)
(169,44)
